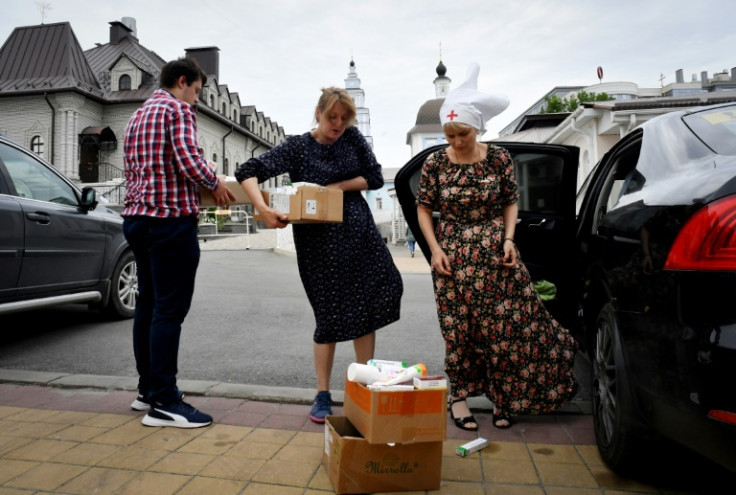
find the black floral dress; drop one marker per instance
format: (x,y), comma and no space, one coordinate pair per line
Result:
(347,270)
(500,340)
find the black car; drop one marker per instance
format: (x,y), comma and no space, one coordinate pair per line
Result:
(644,262)
(57,245)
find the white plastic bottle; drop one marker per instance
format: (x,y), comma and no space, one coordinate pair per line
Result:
(365,374)
(402,376)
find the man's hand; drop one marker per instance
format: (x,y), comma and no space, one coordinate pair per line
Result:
(223,196)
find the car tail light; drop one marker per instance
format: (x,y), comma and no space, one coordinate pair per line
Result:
(708,239)
(725,416)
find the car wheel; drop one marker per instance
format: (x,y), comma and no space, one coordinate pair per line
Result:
(618,439)
(123,288)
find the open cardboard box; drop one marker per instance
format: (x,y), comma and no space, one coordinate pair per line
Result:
(401,416)
(356,466)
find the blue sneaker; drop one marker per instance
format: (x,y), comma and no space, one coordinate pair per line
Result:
(178,414)
(321,407)
(141,404)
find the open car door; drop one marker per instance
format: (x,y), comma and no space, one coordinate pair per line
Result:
(545,231)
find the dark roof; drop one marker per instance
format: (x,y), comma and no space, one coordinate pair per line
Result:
(45,57)
(428,118)
(103,57)
(429,112)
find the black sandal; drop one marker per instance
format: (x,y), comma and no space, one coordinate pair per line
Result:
(497,416)
(462,422)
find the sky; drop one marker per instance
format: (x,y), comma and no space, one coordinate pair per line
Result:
(278,54)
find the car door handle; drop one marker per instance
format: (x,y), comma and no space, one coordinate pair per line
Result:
(542,223)
(42,218)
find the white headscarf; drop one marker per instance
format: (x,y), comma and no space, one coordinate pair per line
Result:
(469,106)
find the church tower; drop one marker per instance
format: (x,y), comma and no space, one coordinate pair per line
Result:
(362,117)
(441,82)
(428,129)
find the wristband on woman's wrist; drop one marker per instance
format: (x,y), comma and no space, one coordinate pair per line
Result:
(509,239)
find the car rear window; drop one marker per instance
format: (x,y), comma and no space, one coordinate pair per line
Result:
(716,128)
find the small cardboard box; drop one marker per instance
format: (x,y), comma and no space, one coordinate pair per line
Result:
(306,203)
(356,466)
(397,416)
(424,382)
(241,198)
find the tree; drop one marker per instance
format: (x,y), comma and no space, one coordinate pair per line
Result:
(553,104)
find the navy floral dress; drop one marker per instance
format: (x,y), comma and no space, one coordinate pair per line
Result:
(500,340)
(346,268)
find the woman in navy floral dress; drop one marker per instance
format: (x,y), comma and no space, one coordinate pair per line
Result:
(348,274)
(500,340)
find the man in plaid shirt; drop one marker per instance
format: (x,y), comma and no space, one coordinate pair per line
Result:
(164,170)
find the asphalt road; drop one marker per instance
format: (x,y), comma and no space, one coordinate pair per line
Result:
(250,323)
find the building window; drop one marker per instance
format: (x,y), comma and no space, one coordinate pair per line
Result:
(124,83)
(214,157)
(212,101)
(37,145)
(379,203)
(224,109)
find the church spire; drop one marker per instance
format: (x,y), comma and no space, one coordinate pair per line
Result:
(362,115)
(441,82)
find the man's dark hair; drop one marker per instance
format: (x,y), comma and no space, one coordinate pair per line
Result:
(185,66)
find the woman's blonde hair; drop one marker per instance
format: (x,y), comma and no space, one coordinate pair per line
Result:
(457,127)
(332,96)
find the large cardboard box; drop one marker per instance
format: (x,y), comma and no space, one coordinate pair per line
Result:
(397,416)
(306,203)
(356,466)
(241,198)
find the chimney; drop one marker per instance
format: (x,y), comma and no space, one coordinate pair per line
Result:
(208,58)
(679,78)
(129,22)
(118,32)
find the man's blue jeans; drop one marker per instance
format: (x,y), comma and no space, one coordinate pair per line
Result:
(167,255)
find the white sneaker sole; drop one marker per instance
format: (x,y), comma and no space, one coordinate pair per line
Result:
(149,420)
(140,405)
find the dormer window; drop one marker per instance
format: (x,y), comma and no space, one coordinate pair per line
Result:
(212,101)
(124,83)
(224,108)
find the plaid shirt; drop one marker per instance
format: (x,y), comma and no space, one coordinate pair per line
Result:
(163,165)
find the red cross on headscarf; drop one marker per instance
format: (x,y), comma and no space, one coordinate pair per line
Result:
(452,115)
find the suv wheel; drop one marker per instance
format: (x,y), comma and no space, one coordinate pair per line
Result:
(123,287)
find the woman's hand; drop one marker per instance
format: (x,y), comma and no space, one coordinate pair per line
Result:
(441,263)
(273,218)
(510,256)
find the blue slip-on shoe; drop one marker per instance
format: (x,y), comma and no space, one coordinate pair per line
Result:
(141,404)
(321,407)
(178,414)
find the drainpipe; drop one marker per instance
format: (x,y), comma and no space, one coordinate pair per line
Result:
(53,125)
(223,145)
(632,123)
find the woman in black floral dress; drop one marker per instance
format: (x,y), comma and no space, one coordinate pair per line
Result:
(500,339)
(347,271)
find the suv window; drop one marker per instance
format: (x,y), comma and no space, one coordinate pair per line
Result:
(33,180)
(539,177)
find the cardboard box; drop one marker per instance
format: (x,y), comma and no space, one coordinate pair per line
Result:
(424,382)
(206,199)
(306,203)
(397,416)
(356,466)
